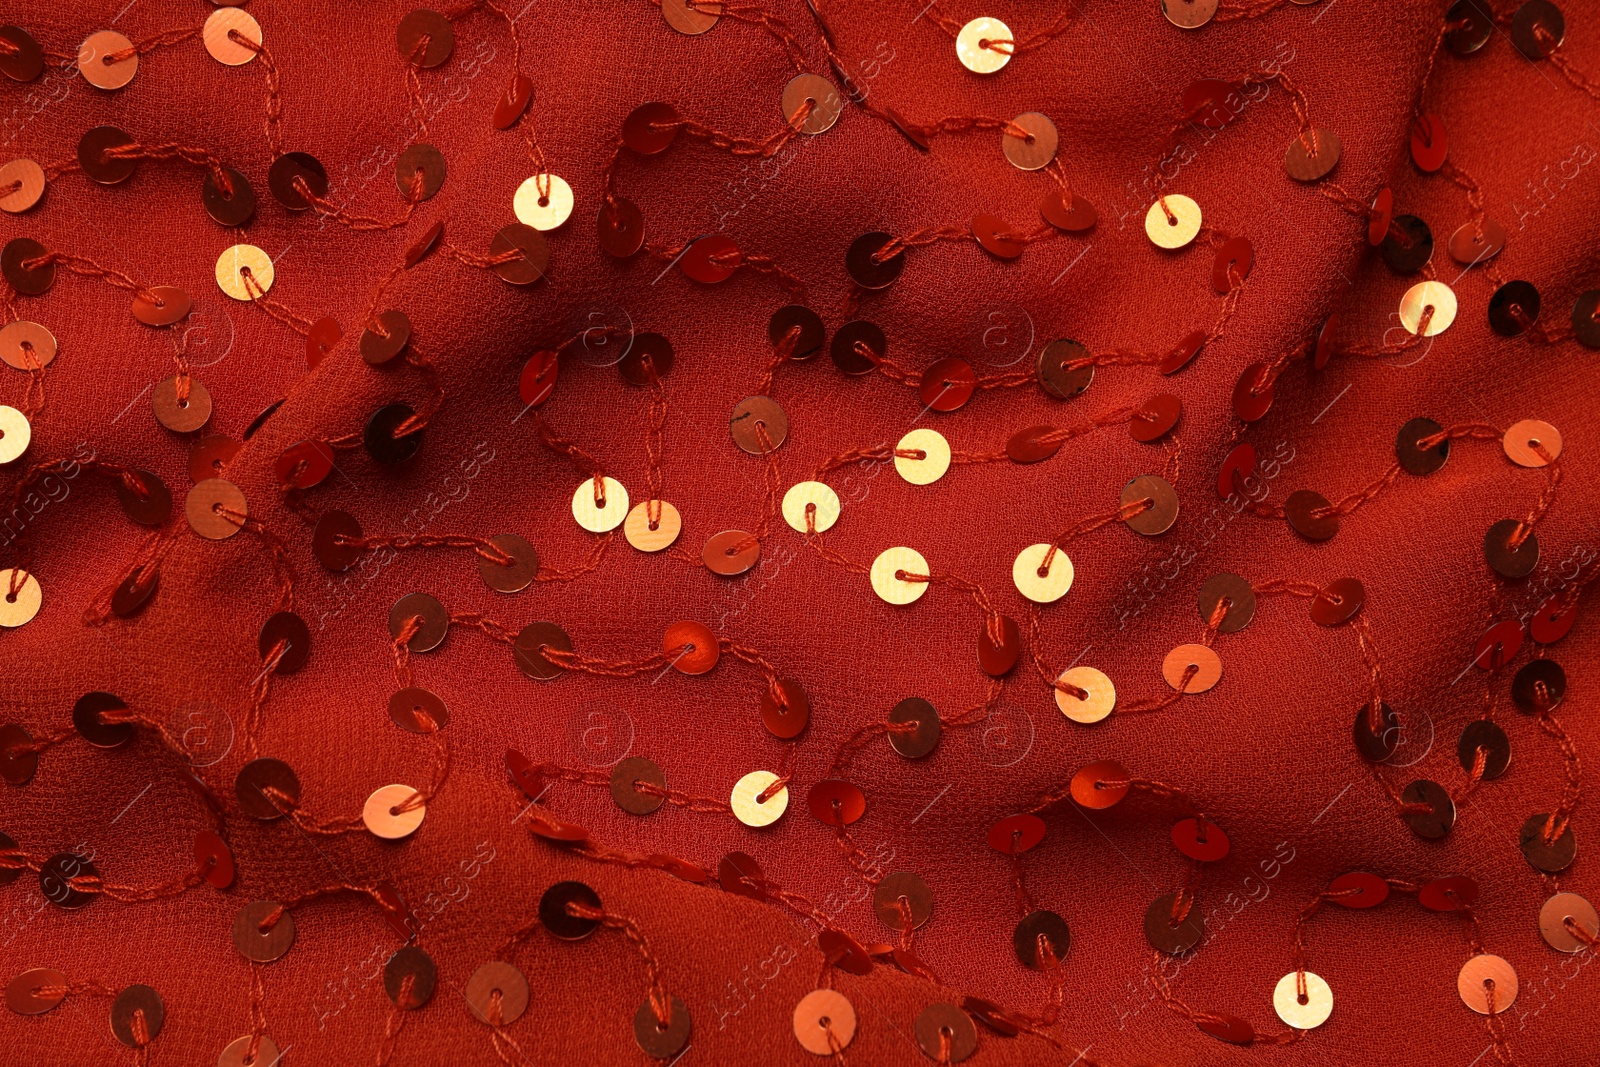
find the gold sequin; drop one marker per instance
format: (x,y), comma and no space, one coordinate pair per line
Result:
(1102,695)
(970,48)
(1436,295)
(935,457)
(1044,588)
(892,562)
(751,811)
(605,514)
(18,609)
(1178,228)
(234,261)
(15,433)
(819,494)
(544,202)
(637,527)
(1313,1012)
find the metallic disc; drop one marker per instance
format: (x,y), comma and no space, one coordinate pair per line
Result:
(927,458)
(1560,915)
(146,1003)
(267,789)
(96,157)
(1523,442)
(918,742)
(534,258)
(691,19)
(1172,221)
(1412,456)
(420,168)
(1206,663)
(512,577)
(1099,698)
(1312,154)
(1484,734)
(1239,594)
(382,439)
(1487,984)
(107,60)
(492,978)
(431,617)
(19,608)
(1407,244)
(216,509)
(749,808)
(976,45)
(413,963)
(858,346)
(425,38)
(899,893)
(88,719)
(1551,857)
(56,877)
(1036,145)
(1472,244)
(810,333)
(291,170)
(627,776)
(814,97)
(241,261)
(652,525)
(25,174)
(824,1022)
(151,504)
(15,262)
(1311,515)
(1425,295)
(1302,1012)
(1165,935)
(866,268)
(36,991)
(217,36)
(418,710)
(599,508)
(660,1041)
(1441,816)
(899,575)
(1508,559)
(1538,685)
(758,425)
(785,718)
(392,812)
(945,1033)
(529,646)
(1376,745)
(1040,924)
(1162,511)
(811,502)
(543,201)
(1337,602)
(257,941)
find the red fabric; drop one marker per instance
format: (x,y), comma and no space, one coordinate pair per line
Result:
(1266,753)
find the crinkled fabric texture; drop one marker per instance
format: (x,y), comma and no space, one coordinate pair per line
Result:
(1266,753)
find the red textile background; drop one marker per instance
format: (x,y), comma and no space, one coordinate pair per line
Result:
(1266,752)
